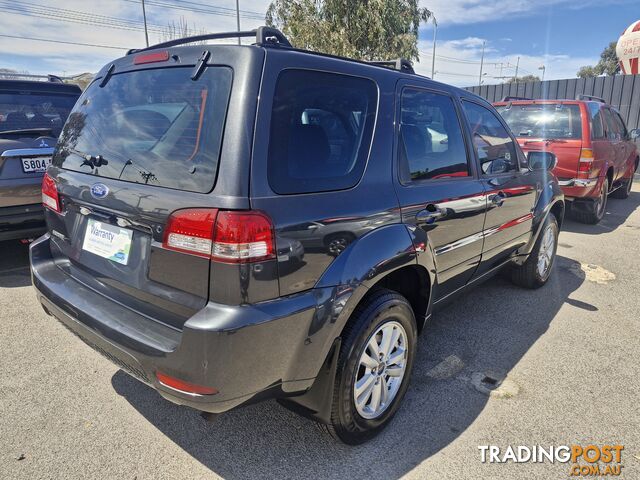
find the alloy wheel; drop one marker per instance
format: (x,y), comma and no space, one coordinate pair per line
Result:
(546,252)
(380,370)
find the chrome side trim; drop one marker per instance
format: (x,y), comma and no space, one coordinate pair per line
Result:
(481,235)
(460,243)
(28,152)
(578,182)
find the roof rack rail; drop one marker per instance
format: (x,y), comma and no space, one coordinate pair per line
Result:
(265,36)
(583,96)
(513,99)
(400,64)
(20,76)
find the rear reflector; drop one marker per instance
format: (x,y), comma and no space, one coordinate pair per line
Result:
(151,58)
(242,237)
(191,231)
(183,386)
(50,197)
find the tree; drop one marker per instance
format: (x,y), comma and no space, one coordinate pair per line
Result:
(607,65)
(181,29)
(525,78)
(587,72)
(361,29)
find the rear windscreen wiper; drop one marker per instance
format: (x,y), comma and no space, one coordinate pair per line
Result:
(93,161)
(545,140)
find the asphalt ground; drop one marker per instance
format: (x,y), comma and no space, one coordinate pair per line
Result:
(569,355)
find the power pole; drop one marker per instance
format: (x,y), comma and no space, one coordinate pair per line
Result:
(238,17)
(433,58)
(481,65)
(517,67)
(144,17)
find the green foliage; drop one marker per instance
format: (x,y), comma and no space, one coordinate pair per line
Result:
(607,65)
(524,78)
(361,29)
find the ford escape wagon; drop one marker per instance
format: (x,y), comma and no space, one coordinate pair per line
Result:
(32,114)
(233,223)
(597,156)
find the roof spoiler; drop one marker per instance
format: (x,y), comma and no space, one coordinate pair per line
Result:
(265,36)
(590,98)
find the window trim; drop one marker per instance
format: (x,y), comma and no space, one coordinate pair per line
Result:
(522,164)
(592,136)
(269,115)
(471,168)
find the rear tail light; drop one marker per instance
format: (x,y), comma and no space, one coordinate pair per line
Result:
(242,237)
(191,231)
(50,197)
(224,236)
(585,164)
(183,386)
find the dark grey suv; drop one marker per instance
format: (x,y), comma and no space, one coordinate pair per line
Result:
(32,114)
(193,200)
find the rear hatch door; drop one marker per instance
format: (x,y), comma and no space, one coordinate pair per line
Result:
(552,127)
(134,150)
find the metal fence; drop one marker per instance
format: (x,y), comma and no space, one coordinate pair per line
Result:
(621,91)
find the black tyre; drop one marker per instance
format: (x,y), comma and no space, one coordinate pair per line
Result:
(535,272)
(625,189)
(374,365)
(595,212)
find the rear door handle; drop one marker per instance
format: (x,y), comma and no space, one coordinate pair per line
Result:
(499,198)
(430,214)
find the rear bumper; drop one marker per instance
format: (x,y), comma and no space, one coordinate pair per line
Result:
(580,187)
(269,349)
(23,221)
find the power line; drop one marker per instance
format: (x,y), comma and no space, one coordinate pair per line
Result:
(67,16)
(66,43)
(195,7)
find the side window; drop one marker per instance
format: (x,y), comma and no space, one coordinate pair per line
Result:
(622,128)
(494,146)
(431,143)
(597,122)
(321,128)
(613,133)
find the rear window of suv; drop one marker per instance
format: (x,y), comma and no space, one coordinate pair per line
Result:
(156,127)
(543,121)
(321,129)
(29,110)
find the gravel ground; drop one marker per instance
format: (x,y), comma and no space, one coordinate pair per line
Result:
(571,351)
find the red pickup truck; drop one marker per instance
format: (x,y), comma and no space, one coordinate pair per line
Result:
(597,155)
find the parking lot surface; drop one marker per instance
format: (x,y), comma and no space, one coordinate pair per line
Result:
(570,352)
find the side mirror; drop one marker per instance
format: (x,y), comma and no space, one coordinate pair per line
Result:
(539,161)
(635,133)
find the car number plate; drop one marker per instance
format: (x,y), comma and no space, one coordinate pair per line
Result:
(107,241)
(35,164)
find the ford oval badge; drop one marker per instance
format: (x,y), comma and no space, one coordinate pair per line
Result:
(99,190)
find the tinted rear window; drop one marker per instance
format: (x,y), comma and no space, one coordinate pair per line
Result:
(27,110)
(543,121)
(156,127)
(321,129)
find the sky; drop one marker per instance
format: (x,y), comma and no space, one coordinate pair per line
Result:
(562,35)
